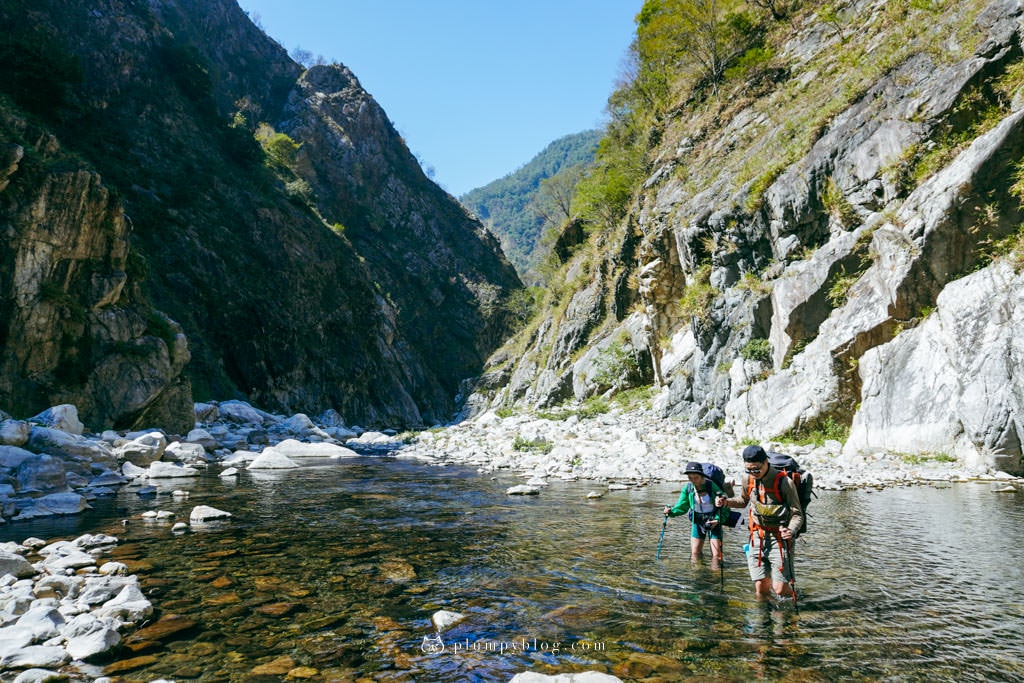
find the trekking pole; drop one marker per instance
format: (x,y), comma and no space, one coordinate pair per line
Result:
(721,564)
(663,525)
(792,574)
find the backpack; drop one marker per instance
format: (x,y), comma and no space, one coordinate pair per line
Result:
(715,474)
(802,480)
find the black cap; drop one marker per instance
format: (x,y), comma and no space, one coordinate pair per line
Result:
(693,468)
(754,454)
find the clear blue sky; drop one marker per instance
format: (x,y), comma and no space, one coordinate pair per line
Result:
(476,87)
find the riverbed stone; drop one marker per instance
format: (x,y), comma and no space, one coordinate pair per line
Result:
(35,656)
(165,629)
(63,417)
(582,677)
(297,449)
(170,470)
(206,513)
(143,450)
(178,451)
(88,636)
(444,619)
(39,676)
(277,667)
(271,459)
(44,621)
(522,490)
(14,432)
(12,563)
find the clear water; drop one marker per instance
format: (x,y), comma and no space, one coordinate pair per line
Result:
(338,567)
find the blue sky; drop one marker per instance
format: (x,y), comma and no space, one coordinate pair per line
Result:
(476,87)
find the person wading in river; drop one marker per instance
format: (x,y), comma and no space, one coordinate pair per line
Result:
(699,498)
(775,520)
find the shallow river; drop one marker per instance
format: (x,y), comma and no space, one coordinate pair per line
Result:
(332,572)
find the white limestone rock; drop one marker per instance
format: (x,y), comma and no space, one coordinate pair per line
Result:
(205,513)
(271,459)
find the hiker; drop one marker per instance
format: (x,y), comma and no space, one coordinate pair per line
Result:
(698,498)
(775,519)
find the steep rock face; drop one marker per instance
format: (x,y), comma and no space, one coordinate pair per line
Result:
(440,272)
(280,305)
(75,330)
(781,292)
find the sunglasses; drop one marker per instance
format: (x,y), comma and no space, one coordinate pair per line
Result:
(753,470)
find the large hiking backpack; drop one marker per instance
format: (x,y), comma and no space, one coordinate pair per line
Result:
(715,474)
(801,478)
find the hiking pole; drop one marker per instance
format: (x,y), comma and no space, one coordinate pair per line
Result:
(792,574)
(721,564)
(663,525)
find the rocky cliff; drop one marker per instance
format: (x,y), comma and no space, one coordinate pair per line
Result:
(140,211)
(825,242)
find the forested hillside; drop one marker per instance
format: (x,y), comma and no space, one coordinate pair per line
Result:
(527,207)
(189,212)
(803,221)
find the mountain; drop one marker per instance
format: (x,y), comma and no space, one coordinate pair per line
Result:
(517,211)
(808,227)
(190,213)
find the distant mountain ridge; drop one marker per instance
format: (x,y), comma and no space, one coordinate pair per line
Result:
(509,205)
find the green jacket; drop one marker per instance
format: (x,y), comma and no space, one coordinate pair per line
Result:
(688,499)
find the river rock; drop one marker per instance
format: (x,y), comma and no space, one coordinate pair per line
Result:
(170,470)
(63,417)
(240,412)
(584,677)
(14,432)
(39,676)
(205,513)
(522,490)
(42,472)
(88,635)
(143,450)
(296,449)
(271,459)
(52,504)
(63,444)
(203,438)
(129,606)
(12,456)
(301,427)
(16,565)
(443,619)
(184,452)
(44,621)
(35,656)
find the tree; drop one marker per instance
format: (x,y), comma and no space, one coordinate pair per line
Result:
(778,8)
(553,201)
(704,35)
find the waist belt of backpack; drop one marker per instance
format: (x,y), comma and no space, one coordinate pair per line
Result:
(777,533)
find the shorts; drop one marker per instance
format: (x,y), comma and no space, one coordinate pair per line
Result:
(698,530)
(770,560)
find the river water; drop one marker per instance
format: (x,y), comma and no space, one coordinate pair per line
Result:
(332,572)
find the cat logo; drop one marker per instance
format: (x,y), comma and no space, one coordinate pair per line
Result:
(432,644)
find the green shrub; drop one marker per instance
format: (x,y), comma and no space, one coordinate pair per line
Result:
(757,350)
(827,429)
(699,296)
(532,445)
(614,363)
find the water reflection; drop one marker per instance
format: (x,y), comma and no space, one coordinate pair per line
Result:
(333,571)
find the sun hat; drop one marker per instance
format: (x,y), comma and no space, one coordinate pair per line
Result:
(693,468)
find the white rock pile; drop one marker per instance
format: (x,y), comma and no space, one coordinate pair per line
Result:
(624,449)
(60,603)
(49,465)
